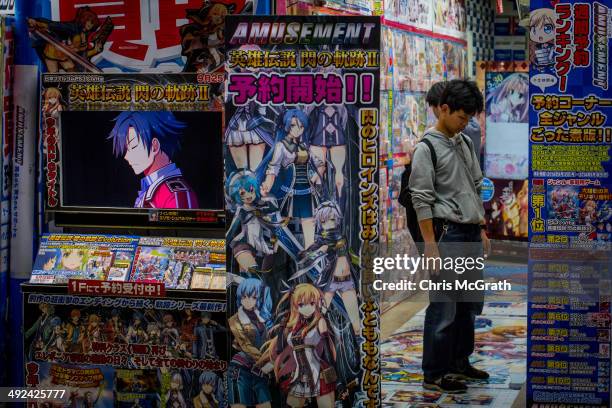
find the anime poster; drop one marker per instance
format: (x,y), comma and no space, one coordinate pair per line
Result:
(132,36)
(77,256)
(570,193)
(177,261)
(302,209)
(506,209)
(150,150)
(118,352)
(507,125)
(449,18)
(414,13)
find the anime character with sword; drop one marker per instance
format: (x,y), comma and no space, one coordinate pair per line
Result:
(69,46)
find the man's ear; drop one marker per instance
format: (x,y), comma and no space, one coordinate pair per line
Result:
(155,146)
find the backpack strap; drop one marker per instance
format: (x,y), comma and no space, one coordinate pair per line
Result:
(464,137)
(434,158)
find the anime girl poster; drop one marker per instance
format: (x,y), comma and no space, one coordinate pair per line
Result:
(294,226)
(507,125)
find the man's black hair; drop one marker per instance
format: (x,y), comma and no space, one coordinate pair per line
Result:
(435,93)
(461,94)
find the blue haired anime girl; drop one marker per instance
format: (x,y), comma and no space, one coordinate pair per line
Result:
(249,327)
(252,229)
(290,153)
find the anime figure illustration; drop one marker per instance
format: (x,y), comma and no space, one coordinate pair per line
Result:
(508,101)
(188,325)
(204,337)
(175,398)
(93,332)
(114,330)
(588,212)
(523,199)
(202,41)
(70,46)
(327,136)
(52,104)
(47,260)
(248,133)
(331,249)
(41,329)
(510,211)
(154,333)
(57,342)
(134,331)
(564,204)
(542,38)
(290,153)
(169,334)
(210,395)
(73,259)
(256,225)
(148,141)
(75,332)
(249,327)
(302,349)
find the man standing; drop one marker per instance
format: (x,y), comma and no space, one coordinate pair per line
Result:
(451,219)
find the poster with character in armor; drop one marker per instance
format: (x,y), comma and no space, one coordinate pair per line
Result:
(301,191)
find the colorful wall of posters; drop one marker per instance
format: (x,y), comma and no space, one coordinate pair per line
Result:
(113,351)
(302,208)
(439,18)
(570,214)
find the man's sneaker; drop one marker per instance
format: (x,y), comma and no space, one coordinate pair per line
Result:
(469,373)
(445,384)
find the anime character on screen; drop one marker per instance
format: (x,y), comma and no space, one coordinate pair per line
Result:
(148,141)
(249,327)
(509,101)
(331,249)
(69,46)
(93,332)
(169,334)
(211,392)
(48,259)
(290,162)
(510,211)
(542,38)
(52,102)
(135,330)
(302,349)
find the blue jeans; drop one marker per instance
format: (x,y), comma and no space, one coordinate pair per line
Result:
(448,338)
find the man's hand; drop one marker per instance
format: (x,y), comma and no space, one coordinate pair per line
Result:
(431,251)
(486,243)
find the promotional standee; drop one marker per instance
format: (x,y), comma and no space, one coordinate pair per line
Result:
(148,70)
(301,149)
(570,214)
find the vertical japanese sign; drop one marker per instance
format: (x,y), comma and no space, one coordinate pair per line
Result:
(301,158)
(570,220)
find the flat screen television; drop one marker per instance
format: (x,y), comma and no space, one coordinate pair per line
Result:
(150,164)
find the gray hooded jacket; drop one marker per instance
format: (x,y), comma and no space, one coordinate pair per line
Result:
(452,190)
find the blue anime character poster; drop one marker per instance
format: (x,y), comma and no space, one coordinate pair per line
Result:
(301,154)
(570,189)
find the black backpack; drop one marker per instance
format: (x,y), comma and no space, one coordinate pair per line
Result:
(405,196)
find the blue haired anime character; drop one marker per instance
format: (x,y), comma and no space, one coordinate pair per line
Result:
(249,327)
(291,153)
(257,227)
(211,391)
(148,141)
